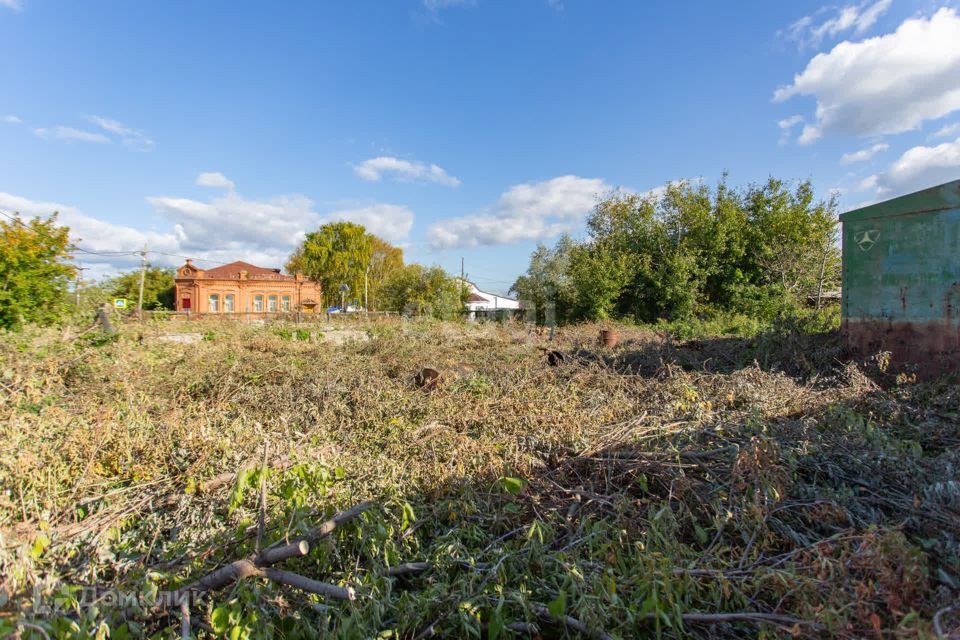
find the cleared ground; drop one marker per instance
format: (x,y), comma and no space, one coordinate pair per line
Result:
(709,488)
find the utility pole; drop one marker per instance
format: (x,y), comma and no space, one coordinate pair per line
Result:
(366,299)
(76,289)
(143,274)
(461,268)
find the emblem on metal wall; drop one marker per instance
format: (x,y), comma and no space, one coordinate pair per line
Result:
(866,239)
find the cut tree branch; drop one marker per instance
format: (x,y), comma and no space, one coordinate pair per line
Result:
(258,565)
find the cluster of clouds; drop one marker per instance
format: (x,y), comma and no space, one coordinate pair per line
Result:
(881,86)
(219,229)
(103,131)
(812,30)
(868,88)
(227,224)
(401,170)
(531,211)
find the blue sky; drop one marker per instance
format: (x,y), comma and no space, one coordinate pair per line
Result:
(225,130)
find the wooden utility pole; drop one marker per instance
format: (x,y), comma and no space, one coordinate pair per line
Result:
(79,281)
(143,274)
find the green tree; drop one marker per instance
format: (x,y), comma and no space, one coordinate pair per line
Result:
(385,259)
(158,287)
(34,273)
(424,291)
(599,276)
(793,238)
(547,285)
(345,253)
(693,250)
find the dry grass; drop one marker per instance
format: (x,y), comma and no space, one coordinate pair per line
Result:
(642,490)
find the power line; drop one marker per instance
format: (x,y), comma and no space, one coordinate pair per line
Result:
(13,218)
(109,254)
(174,255)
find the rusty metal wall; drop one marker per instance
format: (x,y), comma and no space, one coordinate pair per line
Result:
(901,280)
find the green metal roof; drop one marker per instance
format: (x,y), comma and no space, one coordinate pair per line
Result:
(939,198)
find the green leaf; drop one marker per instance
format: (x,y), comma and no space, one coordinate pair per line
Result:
(512,485)
(558,606)
(40,545)
(702,536)
(495,625)
(408,517)
(220,620)
(642,481)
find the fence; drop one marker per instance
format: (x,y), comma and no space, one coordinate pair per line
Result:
(259,317)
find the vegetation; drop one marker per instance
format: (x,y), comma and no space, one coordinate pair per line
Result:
(424,291)
(385,260)
(666,488)
(723,472)
(158,288)
(34,274)
(336,254)
(691,252)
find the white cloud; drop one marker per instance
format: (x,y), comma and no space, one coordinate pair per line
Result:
(97,236)
(807,32)
(786,127)
(11,4)
(12,119)
(864,154)
(403,171)
(71,135)
(918,168)
(789,123)
(128,136)
(531,211)
(222,229)
(214,179)
(886,84)
(389,221)
(947,130)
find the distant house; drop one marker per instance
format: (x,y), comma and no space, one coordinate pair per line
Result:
(481,304)
(240,287)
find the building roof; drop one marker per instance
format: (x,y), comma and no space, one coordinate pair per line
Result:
(474,297)
(232,270)
(939,198)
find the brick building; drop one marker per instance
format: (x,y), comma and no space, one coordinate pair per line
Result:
(240,287)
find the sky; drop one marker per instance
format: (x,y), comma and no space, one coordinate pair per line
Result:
(456,129)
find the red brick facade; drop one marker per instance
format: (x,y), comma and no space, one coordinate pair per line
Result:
(240,287)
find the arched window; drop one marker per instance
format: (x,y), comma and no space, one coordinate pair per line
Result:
(272,304)
(285,303)
(258,303)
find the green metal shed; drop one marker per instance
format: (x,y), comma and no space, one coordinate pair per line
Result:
(901,280)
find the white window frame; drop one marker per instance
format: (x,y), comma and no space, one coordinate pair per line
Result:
(272,303)
(258,303)
(285,303)
(213,303)
(229,303)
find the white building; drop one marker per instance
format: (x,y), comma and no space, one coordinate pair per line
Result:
(482,304)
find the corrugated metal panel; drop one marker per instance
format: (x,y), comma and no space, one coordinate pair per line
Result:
(901,279)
